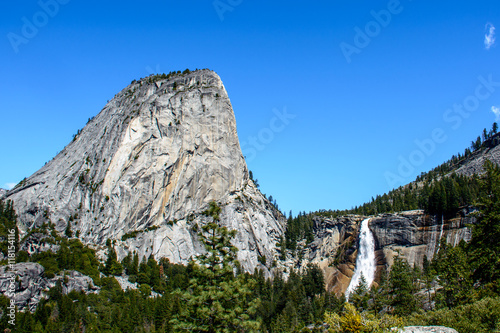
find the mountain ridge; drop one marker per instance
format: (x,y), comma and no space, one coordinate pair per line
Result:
(143,170)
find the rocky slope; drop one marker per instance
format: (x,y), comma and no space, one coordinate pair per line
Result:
(145,168)
(474,165)
(30,284)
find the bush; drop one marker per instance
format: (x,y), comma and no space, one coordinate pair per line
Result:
(352,321)
(145,289)
(131,234)
(478,317)
(22,256)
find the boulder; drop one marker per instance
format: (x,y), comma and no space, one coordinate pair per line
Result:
(26,284)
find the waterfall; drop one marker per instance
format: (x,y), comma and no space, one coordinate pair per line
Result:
(442,225)
(365,261)
(440,234)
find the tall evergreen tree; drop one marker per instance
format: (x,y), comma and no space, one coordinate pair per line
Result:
(68,231)
(360,295)
(112,266)
(216,299)
(484,245)
(453,268)
(402,287)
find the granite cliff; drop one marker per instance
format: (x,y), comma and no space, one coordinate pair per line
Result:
(144,169)
(413,234)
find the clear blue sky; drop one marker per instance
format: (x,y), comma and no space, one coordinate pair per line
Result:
(359,102)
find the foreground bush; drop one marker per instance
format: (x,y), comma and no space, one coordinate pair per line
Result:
(478,317)
(350,320)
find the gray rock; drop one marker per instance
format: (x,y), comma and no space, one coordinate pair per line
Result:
(74,281)
(26,284)
(148,165)
(23,283)
(474,165)
(415,235)
(3,192)
(37,243)
(125,283)
(427,329)
(333,236)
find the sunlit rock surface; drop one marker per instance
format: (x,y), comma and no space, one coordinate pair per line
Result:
(146,167)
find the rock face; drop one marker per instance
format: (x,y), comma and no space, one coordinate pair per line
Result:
(24,283)
(3,192)
(35,243)
(333,250)
(29,284)
(474,165)
(413,234)
(146,167)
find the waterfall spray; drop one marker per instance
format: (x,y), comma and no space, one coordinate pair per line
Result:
(365,261)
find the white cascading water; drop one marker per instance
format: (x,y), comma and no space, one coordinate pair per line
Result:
(440,234)
(365,261)
(442,227)
(435,242)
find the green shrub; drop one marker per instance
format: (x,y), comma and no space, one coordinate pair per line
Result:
(350,320)
(131,234)
(145,289)
(478,317)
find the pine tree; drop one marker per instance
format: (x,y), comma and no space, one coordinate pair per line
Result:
(360,295)
(437,199)
(452,197)
(313,280)
(112,266)
(454,271)
(68,231)
(134,269)
(216,299)
(7,225)
(402,288)
(484,245)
